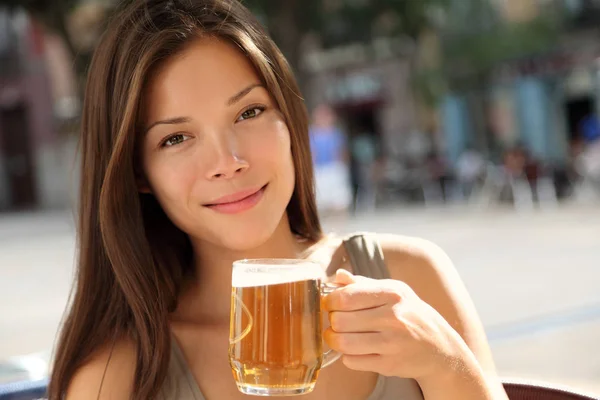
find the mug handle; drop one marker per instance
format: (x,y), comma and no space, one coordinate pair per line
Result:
(330,356)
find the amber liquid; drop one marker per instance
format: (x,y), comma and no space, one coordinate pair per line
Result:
(276,343)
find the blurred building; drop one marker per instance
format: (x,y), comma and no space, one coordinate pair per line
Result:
(538,100)
(37,91)
(368,86)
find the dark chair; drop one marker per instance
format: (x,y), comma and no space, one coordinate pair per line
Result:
(538,391)
(29,390)
(515,390)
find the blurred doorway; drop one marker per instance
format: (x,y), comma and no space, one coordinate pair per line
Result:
(17,156)
(364,150)
(576,110)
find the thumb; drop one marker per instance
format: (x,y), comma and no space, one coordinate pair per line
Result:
(344,277)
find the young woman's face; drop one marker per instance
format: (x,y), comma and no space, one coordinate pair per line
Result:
(216,150)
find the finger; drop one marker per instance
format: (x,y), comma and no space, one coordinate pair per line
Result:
(358,296)
(369,320)
(363,362)
(354,343)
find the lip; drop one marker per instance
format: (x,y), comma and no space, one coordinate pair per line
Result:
(237,202)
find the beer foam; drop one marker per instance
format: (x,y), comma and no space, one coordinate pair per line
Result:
(253,275)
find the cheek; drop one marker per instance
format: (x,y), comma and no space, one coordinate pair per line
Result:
(282,156)
(269,144)
(171,184)
(170,178)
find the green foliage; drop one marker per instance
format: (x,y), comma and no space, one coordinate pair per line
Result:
(429,85)
(352,20)
(474,39)
(475,53)
(45,10)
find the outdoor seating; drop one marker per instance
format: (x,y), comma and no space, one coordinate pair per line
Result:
(515,390)
(540,391)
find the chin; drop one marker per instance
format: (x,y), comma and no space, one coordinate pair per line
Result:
(246,233)
(242,241)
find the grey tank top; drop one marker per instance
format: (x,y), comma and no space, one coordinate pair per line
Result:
(366,258)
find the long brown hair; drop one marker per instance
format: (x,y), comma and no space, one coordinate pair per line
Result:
(131,258)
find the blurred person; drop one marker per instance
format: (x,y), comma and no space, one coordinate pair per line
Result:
(576,148)
(470,168)
(532,171)
(332,175)
(564,173)
(364,151)
(195,153)
(514,160)
(589,128)
(437,178)
(516,183)
(587,164)
(540,180)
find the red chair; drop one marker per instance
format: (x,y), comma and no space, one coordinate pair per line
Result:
(518,390)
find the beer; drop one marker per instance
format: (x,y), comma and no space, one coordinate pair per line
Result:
(276,345)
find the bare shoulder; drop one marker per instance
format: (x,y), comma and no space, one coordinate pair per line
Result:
(398,247)
(107,375)
(417,261)
(428,270)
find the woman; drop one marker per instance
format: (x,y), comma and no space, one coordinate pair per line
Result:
(195,154)
(328,148)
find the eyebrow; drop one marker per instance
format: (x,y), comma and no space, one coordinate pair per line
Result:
(232,100)
(170,121)
(239,95)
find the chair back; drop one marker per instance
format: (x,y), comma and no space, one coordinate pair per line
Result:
(539,391)
(28,390)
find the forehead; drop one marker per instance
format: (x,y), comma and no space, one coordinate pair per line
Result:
(208,69)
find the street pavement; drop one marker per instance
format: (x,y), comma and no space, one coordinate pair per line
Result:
(534,276)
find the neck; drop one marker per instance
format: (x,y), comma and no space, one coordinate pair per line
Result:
(206,300)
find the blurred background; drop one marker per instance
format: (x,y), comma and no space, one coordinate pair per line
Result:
(472,123)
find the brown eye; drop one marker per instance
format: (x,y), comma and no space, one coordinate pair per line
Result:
(175,140)
(251,113)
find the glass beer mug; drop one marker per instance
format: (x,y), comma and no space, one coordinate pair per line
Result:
(276,329)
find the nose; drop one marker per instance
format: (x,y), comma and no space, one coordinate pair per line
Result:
(227,162)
